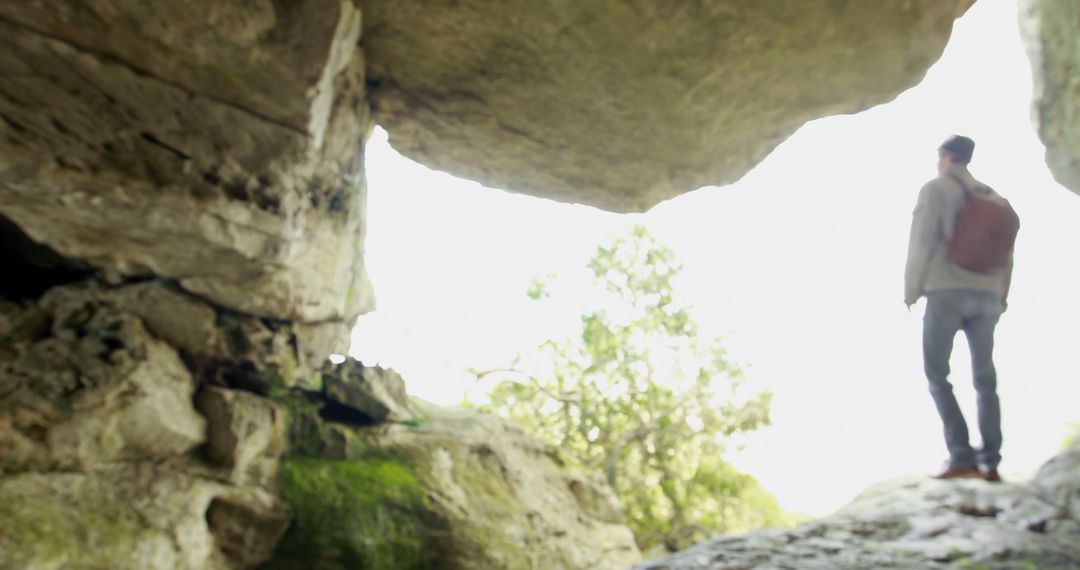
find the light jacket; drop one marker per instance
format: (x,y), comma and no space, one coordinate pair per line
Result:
(929,267)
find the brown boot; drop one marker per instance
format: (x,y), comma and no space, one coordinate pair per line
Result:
(958,472)
(991,475)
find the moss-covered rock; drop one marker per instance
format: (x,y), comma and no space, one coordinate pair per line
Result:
(353,515)
(504,499)
(309,435)
(459,490)
(85,530)
(149,517)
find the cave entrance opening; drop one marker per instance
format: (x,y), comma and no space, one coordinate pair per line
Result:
(798,266)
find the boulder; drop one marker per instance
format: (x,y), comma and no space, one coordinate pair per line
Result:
(371,394)
(456,489)
(622,104)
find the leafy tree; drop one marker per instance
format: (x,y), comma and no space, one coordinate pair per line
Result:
(639,398)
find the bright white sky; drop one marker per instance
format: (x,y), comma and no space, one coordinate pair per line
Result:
(799,266)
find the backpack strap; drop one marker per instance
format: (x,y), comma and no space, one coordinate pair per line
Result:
(985,190)
(967,191)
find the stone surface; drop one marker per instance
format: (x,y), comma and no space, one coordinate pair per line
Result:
(1053,41)
(1058,481)
(505,499)
(106,461)
(215,144)
(622,104)
(919,523)
(463,490)
(222,347)
(82,385)
(131,516)
(377,394)
(245,436)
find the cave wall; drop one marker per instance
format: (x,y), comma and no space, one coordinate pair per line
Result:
(217,145)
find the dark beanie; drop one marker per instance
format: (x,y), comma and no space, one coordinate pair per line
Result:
(960,147)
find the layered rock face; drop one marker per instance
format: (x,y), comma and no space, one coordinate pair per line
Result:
(1053,40)
(622,104)
(921,523)
(215,144)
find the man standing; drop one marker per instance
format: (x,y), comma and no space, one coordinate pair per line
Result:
(957,298)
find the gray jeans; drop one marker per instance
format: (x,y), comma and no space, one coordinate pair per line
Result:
(976,313)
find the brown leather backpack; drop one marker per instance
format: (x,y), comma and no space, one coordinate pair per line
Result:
(985,231)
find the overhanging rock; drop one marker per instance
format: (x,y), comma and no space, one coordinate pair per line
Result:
(622,104)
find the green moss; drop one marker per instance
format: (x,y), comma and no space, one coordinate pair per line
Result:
(39,528)
(309,435)
(969,564)
(276,386)
(352,515)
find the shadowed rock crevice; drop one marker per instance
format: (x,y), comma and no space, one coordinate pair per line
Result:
(32,268)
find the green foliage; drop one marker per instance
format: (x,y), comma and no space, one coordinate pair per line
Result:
(352,515)
(640,398)
(1073,438)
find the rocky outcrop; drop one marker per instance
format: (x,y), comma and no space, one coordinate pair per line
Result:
(376,394)
(218,145)
(141,427)
(450,489)
(107,461)
(921,523)
(1050,32)
(622,104)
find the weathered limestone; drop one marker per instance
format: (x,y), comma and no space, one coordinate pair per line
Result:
(215,144)
(622,104)
(82,385)
(506,499)
(1058,482)
(132,516)
(920,523)
(376,394)
(111,456)
(1053,40)
(221,347)
(455,489)
(245,435)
